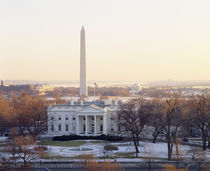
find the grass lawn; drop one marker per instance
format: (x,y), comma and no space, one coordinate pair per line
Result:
(103,142)
(62,143)
(72,143)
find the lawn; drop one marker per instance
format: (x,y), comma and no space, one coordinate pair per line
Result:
(72,143)
(62,143)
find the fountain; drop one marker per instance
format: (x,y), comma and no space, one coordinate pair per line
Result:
(80,149)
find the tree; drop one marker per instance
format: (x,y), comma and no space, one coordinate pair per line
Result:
(157,118)
(6,116)
(132,117)
(30,114)
(200,116)
(58,99)
(198,155)
(19,149)
(173,119)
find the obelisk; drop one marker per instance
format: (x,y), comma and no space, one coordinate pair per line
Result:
(83,82)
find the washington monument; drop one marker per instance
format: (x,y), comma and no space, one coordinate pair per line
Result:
(83,82)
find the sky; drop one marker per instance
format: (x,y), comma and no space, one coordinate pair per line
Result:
(126,40)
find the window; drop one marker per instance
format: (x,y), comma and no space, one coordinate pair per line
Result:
(67,127)
(59,127)
(52,128)
(112,129)
(111,118)
(101,128)
(92,127)
(67,118)
(84,118)
(52,118)
(73,118)
(101,118)
(59,118)
(92,118)
(84,128)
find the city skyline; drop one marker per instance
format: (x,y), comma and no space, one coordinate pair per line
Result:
(138,41)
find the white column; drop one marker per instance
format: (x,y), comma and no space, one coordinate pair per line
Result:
(104,124)
(86,125)
(77,125)
(95,125)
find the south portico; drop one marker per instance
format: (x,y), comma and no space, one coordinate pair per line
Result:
(91,121)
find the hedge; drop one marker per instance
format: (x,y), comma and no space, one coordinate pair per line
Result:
(78,137)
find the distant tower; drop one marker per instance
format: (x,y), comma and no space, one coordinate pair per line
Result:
(83,82)
(2,83)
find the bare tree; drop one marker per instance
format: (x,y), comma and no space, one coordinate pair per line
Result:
(157,118)
(37,117)
(173,119)
(200,116)
(19,150)
(5,114)
(131,119)
(198,155)
(30,114)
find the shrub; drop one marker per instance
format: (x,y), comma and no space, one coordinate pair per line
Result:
(185,139)
(78,137)
(40,148)
(110,147)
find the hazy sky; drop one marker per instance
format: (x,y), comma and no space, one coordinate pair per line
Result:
(137,40)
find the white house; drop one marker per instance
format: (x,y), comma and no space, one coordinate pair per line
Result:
(89,118)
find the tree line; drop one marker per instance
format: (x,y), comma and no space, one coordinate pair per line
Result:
(26,113)
(172,117)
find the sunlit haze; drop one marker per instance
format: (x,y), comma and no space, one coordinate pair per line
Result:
(128,40)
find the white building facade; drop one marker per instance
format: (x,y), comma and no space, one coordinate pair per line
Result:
(81,119)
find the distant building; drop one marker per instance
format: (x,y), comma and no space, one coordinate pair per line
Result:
(42,89)
(134,89)
(2,83)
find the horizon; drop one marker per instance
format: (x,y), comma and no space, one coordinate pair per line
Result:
(142,41)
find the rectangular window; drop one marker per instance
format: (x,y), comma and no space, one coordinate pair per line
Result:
(84,118)
(52,128)
(52,118)
(84,128)
(67,118)
(73,118)
(67,127)
(59,118)
(101,128)
(119,129)
(92,127)
(101,118)
(59,127)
